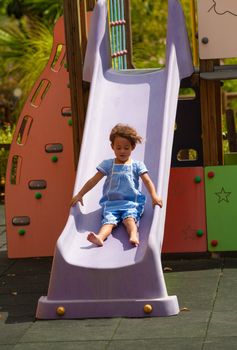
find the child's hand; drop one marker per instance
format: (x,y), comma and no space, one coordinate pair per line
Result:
(75,199)
(156,200)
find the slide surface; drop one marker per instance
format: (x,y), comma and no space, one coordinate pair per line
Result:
(119,279)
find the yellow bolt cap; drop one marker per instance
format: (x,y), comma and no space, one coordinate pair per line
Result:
(60,310)
(148,308)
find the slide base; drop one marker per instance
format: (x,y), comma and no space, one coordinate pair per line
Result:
(69,309)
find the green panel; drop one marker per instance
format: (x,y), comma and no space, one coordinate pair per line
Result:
(221,207)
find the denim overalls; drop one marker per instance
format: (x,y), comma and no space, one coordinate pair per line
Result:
(121,195)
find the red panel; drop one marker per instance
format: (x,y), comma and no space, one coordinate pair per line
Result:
(185,227)
(41,123)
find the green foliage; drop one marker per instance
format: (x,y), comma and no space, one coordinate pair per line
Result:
(148,32)
(24,50)
(25,42)
(6,133)
(3,162)
(231,85)
(46,11)
(3,6)
(149,25)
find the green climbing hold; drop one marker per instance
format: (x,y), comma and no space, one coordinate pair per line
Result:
(199,233)
(21,232)
(198,179)
(69,122)
(54,159)
(38,195)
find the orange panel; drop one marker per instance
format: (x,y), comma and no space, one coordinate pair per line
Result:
(185,227)
(40,173)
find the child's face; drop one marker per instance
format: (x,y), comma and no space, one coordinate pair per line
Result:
(122,149)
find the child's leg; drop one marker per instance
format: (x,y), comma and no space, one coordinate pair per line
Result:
(131,227)
(103,233)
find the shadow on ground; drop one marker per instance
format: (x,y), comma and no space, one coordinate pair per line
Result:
(22,282)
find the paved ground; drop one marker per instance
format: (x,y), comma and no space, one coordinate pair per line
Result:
(206,289)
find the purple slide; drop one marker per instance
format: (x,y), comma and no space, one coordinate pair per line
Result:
(119,279)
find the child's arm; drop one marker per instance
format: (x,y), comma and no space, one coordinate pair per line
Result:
(156,200)
(86,188)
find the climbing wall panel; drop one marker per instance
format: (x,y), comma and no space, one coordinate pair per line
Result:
(40,172)
(185,227)
(221,204)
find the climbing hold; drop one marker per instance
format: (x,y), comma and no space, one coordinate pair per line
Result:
(37,184)
(20,220)
(60,310)
(38,195)
(69,122)
(148,308)
(198,179)
(22,232)
(210,174)
(205,40)
(54,148)
(199,233)
(214,242)
(66,112)
(54,159)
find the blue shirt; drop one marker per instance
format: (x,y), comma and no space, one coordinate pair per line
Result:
(122,181)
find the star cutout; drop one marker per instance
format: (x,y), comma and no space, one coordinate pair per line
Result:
(223,195)
(189,233)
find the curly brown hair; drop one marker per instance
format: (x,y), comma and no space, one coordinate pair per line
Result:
(126,131)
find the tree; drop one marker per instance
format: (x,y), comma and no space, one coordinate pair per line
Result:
(46,11)
(149,25)
(26,33)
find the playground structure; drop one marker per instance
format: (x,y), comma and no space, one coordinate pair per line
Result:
(119,279)
(201,199)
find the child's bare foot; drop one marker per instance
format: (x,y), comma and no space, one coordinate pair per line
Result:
(134,240)
(93,238)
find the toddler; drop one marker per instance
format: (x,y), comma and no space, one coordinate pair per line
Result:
(122,200)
